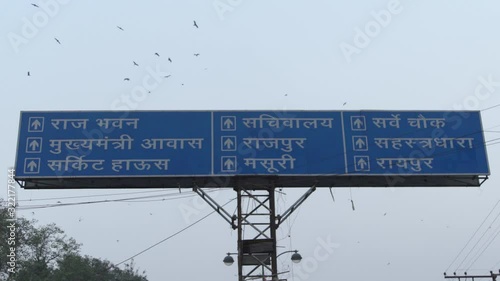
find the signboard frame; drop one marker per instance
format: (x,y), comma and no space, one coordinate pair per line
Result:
(347,179)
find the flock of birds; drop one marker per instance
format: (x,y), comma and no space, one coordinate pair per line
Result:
(157,54)
(195,24)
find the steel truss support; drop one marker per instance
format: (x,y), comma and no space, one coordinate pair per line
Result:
(256,223)
(218,208)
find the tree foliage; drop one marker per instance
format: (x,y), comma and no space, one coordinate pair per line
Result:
(45,253)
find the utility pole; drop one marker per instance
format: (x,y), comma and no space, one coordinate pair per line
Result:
(492,275)
(257,243)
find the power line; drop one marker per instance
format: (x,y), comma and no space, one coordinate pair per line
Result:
(497,264)
(470,239)
(479,240)
(88,196)
(492,140)
(496,126)
(128,200)
(491,239)
(173,235)
(488,108)
(473,247)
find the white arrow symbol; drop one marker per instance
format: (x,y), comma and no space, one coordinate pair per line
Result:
(228,123)
(362,163)
(33,145)
(36,124)
(228,143)
(32,165)
(358,123)
(360,143)
(229,164)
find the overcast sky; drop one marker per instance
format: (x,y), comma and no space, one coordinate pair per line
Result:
(274,55)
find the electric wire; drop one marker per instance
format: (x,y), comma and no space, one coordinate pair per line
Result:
(137,199)
(495,139)
(488,108)
(484,233)
(88,196)
(173,235)
(29,207)
(496,264)
(487,242)
(473,235)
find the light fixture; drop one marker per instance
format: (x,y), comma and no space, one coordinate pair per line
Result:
(296,257)
(228,260)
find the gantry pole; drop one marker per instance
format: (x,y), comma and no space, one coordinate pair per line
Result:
(256,224)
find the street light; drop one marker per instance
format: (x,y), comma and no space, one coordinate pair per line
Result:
(228,260)
(296,257)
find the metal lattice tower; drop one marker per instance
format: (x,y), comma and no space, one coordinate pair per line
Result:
(257,234)
(256,223)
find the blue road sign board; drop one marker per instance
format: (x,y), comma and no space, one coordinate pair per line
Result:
(247,143)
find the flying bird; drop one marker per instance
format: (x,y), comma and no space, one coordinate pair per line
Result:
(135,63)
(169,60)
(35,5)
(126,79)
(344,103)
(195,24)
(120,28)
(167,76)
(57,40)
(29,74)
(156,54)
(196,54)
